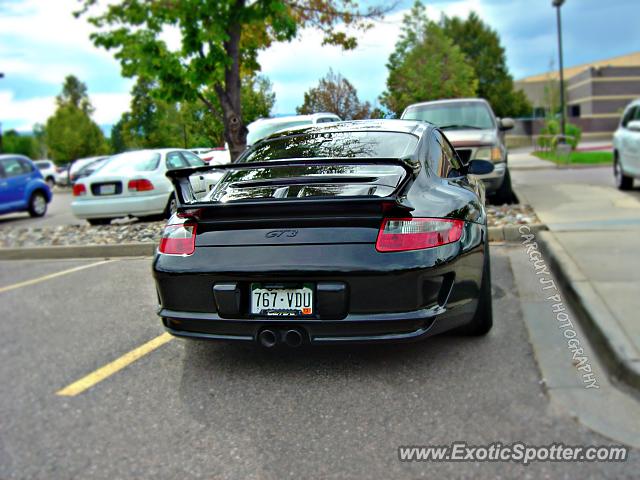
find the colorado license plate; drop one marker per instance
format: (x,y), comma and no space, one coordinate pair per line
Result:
(280,301)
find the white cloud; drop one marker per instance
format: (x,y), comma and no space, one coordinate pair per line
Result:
(22,114)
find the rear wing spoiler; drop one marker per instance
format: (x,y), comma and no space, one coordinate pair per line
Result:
(187,200)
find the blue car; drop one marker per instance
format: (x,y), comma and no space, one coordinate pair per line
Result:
(22,188)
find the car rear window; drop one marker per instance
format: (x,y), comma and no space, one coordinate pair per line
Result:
(332,144)
(132,162)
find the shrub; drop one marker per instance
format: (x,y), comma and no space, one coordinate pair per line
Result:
(552,127)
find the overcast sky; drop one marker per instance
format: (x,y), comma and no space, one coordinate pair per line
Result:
(41,42)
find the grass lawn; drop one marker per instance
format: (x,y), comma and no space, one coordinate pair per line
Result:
(578,157)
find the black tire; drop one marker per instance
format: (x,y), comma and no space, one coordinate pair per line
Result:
(482,321)
(51,182)
(623,182)
(504,194)
(172,206)
(99,221)
(38,204)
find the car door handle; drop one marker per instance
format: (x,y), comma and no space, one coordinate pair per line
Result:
(4,184)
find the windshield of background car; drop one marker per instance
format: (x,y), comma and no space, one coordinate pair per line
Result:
(132,162)
(459,114)
(42,165)
(332,144)
(262,130)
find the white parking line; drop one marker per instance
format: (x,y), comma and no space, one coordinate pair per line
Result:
(33,281)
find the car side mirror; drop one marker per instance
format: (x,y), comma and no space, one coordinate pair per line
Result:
(479,167)
(507,123)
(634,125)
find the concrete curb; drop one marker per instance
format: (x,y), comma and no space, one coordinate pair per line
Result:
(510,233)
(507,233)
(79,251)
(605,333)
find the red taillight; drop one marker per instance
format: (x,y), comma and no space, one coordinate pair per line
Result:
(400,234)
(140,185)
(178,239)
(79,189)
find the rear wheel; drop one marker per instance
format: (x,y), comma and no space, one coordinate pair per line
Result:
(99,221)
(623,182)
(37,204)
(172,207)
(483,318)
(504,194)
(51,182)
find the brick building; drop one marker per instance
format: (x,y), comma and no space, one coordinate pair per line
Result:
(596,94)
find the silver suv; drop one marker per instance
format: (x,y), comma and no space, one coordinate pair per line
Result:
(475,133)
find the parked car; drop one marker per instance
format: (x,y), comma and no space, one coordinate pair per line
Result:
(48,170)
(365,231)
(264,127)
(626,147)
(475,133)
(79,164)
(62,174)
(135,184)
(88,168)
(216,156)
(22,188)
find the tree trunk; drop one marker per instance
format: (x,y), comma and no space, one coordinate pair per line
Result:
(235,132)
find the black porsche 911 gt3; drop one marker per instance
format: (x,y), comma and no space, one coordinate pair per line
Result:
(363,231)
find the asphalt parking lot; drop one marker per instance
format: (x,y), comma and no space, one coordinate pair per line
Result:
(209,410)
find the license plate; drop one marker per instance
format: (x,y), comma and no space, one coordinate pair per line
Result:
(107,189)
(281,301)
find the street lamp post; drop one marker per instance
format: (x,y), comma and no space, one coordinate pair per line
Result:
(558,4)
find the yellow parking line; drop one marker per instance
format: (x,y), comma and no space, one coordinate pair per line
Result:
(109,369)
(33,281)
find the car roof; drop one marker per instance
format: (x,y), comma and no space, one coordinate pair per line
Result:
(449,100)
(415,127)
(290,118)
(13,155)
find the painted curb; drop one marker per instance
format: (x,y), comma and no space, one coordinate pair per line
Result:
(144,249)
(605,333)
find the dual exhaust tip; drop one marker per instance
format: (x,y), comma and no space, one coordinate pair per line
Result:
(270,338)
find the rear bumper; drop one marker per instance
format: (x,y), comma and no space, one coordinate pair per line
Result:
(381,328)
(119,207)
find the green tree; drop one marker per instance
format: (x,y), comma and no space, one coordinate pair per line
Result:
(153,122)
(70,132)
(14,142)
(335,94)
(426,65)
(481,45)
(220,41)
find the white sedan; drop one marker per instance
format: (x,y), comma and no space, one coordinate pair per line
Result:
(626,147)
(134,184)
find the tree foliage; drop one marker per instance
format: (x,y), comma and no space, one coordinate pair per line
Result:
(481,45)
(14,142)
(335,94)
(70,132)
(426,65)
(219,43)
(153,122)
